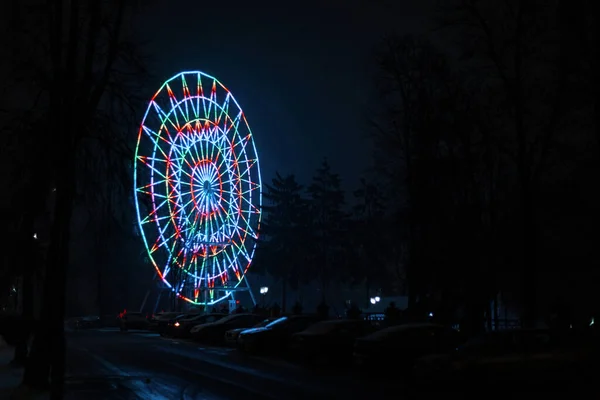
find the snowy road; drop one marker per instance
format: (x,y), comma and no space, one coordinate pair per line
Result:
(106,363)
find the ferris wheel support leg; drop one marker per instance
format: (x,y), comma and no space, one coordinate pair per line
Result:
(157,302)
(250,290)
(144,301)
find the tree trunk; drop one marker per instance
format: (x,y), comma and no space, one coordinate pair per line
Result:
(27,321)
(27,291)
(368,288)
(47,361)
(596,72)
(58,263)
(283,295)
(490,314)
(525,179)
(99,292)
(496,311)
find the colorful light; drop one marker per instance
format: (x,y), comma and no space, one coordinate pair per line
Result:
(197,188)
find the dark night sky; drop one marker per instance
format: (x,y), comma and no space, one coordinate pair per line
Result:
(301,70)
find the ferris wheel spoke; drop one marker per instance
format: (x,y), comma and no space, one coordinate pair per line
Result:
(235,123)
(164,117)
(242,143)
(161,242)
(231,206)
(215,155)
(224,108)
(189,229)
(155,209)
(248,170)
(149,193)
(224,216)
(174,104)
(199,95)
(223,164)
(155,171)
(151,184)
(156,139)
(229,257)
(253,208)
(171,138)
(212,100)
(251,186)
(249,232)
(243,251)
(186,95)
(177,171)
(148,220)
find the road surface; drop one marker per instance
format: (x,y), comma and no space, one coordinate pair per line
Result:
(106,363)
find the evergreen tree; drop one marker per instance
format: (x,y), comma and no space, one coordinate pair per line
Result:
(366,235)
(328,226)
(281,251)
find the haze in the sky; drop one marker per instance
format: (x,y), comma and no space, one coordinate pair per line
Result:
(302,71)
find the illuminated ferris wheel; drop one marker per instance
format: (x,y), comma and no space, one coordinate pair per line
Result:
(197,188)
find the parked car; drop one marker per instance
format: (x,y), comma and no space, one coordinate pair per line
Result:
(532,359)
(214,332)
(171,323)
(158,322)
(403,345)
(132,320)
(275,336)
(330,341)
(181,327)
(87,322)
(231,335)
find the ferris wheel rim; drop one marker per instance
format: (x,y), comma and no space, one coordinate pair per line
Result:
(252,167)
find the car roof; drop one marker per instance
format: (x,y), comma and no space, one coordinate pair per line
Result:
(343,321)
(407,327)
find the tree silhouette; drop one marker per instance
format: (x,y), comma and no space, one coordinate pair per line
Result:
(328,250)
(368,234)
(74,55)
(441,189)
(509,43)
(283,234)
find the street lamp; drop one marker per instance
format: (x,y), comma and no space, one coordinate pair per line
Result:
(263,291)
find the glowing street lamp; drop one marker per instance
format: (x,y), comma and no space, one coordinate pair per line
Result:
(263,291)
